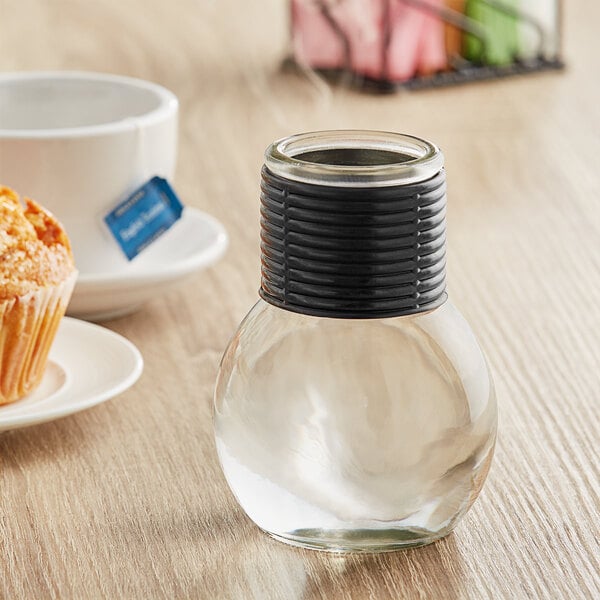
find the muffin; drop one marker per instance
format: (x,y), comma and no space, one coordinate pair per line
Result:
(37,276)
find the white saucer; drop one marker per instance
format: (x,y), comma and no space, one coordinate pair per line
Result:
(88,364)
(194,242)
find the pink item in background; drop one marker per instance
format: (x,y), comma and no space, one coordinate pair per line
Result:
(316,43)
(366,26)
(339,34)
(432,55)
(405,41)
(381,39)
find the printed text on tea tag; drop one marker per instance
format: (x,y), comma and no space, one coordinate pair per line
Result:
(144,216)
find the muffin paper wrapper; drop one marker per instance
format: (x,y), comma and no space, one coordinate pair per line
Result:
(28,325)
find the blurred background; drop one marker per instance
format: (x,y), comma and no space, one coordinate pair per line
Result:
(223,60)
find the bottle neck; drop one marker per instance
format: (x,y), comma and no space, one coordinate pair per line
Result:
(353,252)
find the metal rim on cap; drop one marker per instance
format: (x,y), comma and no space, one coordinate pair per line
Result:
(425,159)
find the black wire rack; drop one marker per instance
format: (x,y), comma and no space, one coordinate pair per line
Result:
(459,69)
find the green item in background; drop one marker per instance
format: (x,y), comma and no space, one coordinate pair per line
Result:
(501,46)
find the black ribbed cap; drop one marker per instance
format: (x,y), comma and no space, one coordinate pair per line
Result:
(353,252)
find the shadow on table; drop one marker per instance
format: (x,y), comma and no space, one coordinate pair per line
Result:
(201,543)
(434,571)
(243,562)
(203,546)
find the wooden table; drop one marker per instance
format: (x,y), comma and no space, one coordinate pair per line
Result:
(127,499)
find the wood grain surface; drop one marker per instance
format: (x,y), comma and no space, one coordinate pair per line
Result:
(127,500)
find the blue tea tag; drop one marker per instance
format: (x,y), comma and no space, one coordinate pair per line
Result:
(144,216)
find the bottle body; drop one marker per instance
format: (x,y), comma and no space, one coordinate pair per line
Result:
(355,434)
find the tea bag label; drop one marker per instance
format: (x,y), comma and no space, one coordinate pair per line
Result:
(144,216)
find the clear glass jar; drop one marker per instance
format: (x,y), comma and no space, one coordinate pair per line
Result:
(355,434)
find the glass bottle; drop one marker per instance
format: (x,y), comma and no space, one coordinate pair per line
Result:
(354,410)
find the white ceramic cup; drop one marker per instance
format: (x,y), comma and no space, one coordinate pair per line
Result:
(79,143)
